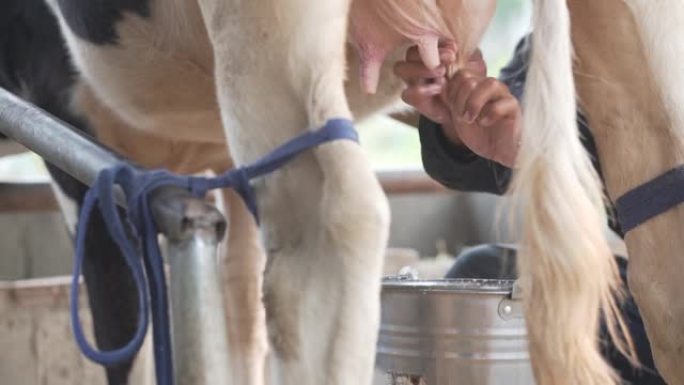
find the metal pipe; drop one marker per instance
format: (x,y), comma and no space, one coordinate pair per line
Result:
(77,154)
(200,339)
(55,141)
(192,227)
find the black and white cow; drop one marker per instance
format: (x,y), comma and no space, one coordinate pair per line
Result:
(191,85)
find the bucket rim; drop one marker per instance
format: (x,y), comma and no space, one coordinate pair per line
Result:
(459,285)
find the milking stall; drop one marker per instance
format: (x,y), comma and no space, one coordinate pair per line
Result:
(343,192)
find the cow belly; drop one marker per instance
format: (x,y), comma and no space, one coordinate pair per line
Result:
(152,64)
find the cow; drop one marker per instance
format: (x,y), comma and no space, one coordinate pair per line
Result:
(218,83)
(628,77)
(190,85)
(626,73)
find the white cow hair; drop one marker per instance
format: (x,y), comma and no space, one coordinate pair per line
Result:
(657,21)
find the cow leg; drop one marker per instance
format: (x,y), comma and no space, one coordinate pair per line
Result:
(655,280)
(113,300)
(243,268)
(638,80)
(279,66)
(657,244)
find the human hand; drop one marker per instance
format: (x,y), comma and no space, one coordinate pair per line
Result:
(474,111)
(485,117)
(425,86)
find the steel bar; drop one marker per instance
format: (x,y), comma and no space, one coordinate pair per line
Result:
(55,141)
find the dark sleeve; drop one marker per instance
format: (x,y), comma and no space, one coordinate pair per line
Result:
(457,167)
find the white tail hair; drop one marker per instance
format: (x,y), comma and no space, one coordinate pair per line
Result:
(567,271)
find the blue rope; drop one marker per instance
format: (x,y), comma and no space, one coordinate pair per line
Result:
(137,239)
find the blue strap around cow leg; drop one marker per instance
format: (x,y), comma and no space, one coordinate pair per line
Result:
(651,199)
(137,238)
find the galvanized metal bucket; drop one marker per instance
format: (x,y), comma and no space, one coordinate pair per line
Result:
(452,332)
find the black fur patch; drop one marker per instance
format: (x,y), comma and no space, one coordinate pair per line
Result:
(35,65)
(95,20)
(33,59)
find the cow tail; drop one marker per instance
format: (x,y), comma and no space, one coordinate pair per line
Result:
(568,275)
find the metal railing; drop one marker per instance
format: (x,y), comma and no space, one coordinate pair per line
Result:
(192,227)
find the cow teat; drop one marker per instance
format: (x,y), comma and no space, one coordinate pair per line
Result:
(373,39)
(378,27)
(374,36)
(428,46)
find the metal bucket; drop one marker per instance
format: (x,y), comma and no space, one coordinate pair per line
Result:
(452,332)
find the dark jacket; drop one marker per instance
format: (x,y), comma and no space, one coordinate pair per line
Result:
(458,168)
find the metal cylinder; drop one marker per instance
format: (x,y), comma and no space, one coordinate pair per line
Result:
(452,332)
(55,141)
(199,318)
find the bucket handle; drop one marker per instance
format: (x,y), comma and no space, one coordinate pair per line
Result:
(511,307)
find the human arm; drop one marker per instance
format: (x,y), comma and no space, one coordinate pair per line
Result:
(457,167)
